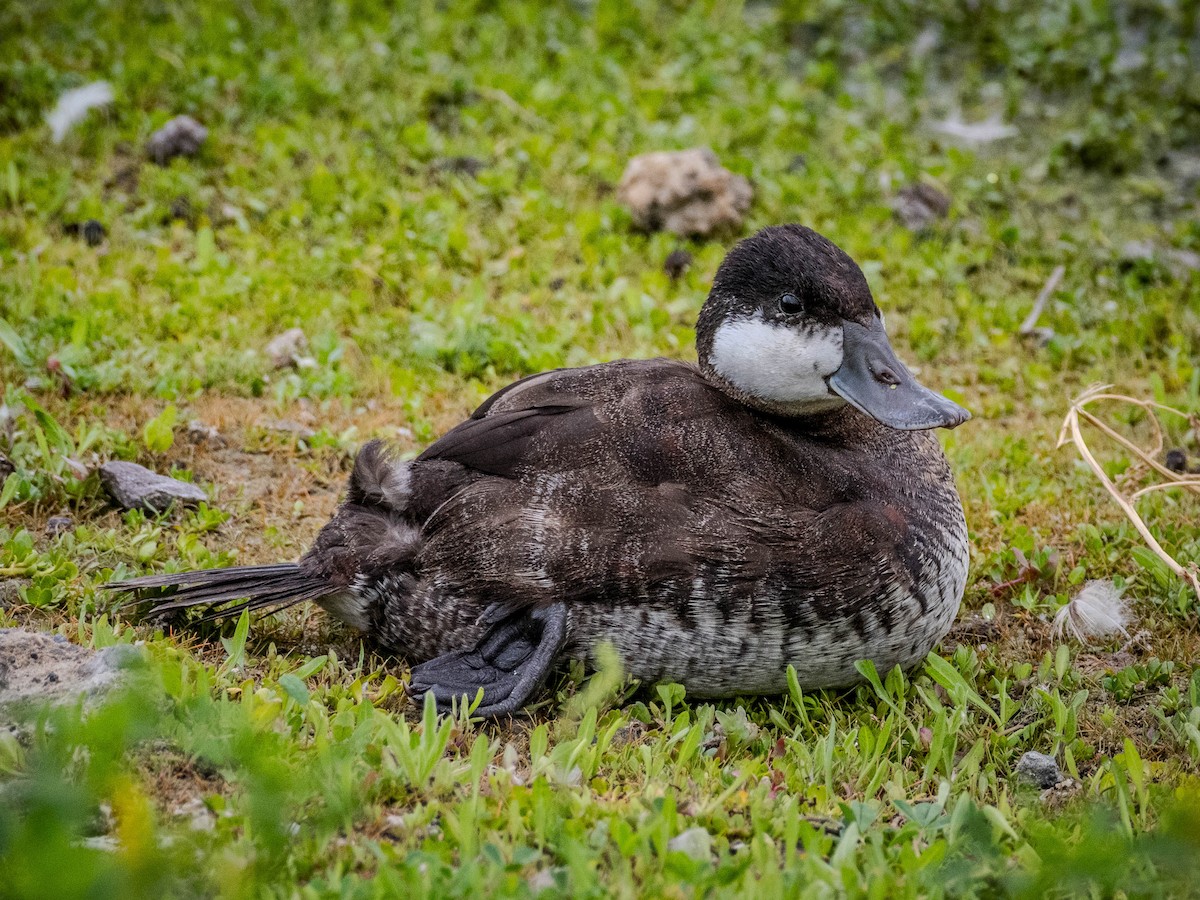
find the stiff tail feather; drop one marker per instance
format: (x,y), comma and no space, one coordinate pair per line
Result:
(266,588)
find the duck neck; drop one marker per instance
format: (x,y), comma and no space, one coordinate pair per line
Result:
(809,410)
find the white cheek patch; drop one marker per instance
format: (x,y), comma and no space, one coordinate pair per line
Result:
(778,363)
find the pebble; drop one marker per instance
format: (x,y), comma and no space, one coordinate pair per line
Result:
(459,165)
(287,349)
(287,426)
(687,192)
(136,487)
(199,432)
(92,231)
(59,525)
(36,666)
(1039,769)
(919,205)
(677,263)
(182,136)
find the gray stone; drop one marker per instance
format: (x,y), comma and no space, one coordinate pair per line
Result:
(59,525)
(136,487)
(182,136)
(1039,769)
(687,192)
(288,349)
(459,165)
(287,426)
(200,433)
(36,667)
(677,263)
(919,205)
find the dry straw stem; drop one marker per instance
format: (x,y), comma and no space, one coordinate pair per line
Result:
(1029,326)
(1071,431)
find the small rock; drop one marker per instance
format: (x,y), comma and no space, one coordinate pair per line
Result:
(6,468)
(687,193)
(695,842)
(919,205)
(36,666)
(1177,460)
(91,231)
(676,263)
(1062,793)
(200,433)
(180,209)
(459,165)
(1039,769)
(59,525)
(287,349)
(136,487)
(287,426)
(182,136)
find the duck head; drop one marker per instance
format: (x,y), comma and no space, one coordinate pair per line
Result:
(790,327)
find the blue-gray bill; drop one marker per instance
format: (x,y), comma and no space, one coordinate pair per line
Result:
(873,380)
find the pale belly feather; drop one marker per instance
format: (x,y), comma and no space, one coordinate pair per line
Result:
(746,648)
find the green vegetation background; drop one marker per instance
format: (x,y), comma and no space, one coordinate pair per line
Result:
(288,762)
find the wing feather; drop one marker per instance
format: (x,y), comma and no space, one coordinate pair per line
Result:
(500,443)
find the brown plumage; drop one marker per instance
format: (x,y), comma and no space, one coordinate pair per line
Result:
(715,523)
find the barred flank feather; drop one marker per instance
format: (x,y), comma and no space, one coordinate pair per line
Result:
(267,588)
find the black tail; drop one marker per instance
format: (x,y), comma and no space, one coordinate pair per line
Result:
(267,588)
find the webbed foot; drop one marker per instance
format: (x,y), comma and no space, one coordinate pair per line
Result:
(511,662)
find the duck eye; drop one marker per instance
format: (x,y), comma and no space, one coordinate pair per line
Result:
(790,303)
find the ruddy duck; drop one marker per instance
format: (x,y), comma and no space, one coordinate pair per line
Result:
(780,503)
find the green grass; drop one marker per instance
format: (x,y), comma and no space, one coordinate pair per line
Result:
(289,762)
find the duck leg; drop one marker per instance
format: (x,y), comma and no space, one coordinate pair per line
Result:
(511,662)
